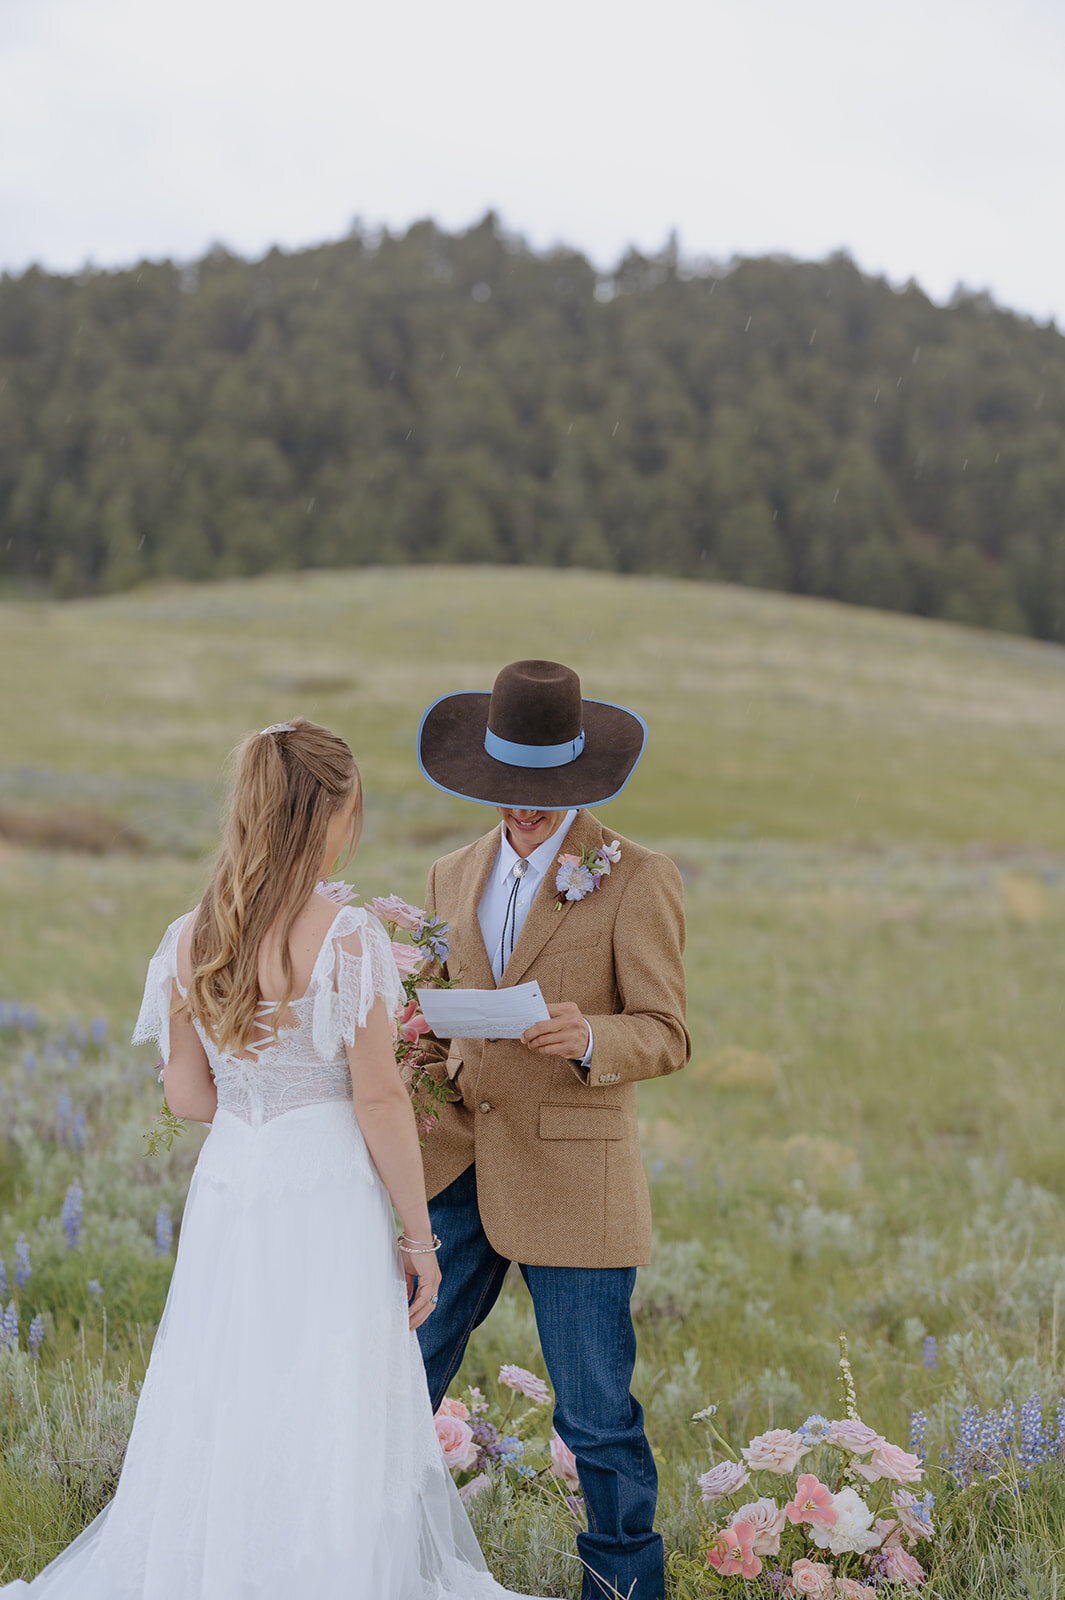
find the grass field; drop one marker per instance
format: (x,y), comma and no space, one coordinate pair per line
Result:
(868,814)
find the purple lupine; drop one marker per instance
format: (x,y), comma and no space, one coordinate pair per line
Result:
(77,1128)
(930,1352)
(918,1429)
(1059,1417)
(1034,1443)
(29,1061)
(29,1018)
(98,1031)
(95,1289)
(72,1207)
(164,1231)
(9,1327)
(23,1269)
(35,1336)
(4,1290)
(63,1109)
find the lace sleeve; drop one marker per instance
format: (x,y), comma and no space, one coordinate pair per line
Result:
(153,1023)
(364,970)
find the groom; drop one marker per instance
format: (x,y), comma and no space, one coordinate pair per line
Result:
(536,1158)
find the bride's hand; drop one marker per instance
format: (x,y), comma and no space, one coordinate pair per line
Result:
(428,1276)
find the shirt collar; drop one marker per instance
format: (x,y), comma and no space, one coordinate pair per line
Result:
(541,857)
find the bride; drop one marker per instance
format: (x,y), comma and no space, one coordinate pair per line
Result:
(283,1447)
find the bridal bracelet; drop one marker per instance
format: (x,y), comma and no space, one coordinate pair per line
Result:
(415,1247)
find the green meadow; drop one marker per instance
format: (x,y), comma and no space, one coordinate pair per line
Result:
(868,814)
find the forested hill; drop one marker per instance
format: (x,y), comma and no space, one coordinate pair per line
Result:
(463,398)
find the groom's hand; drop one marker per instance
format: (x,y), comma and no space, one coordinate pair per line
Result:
(567,1033)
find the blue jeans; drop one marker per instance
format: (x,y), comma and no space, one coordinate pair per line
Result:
(589,1347)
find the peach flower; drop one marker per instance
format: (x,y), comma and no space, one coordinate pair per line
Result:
(812,1503)
(724,1479)
(408,958)
(900,1567)
(456,1441)
(851,1589)
(453,1408)
(767,1521)
(779,1450)
(563,1461)
(891,1461)
(733,1551)
(812,1578)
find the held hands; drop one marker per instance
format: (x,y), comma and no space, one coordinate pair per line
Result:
(567,1033)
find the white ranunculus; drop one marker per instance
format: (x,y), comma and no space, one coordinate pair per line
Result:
(853,1528)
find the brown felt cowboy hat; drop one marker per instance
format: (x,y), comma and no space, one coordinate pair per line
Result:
(532,743)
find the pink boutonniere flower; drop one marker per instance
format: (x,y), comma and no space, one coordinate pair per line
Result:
(579,875)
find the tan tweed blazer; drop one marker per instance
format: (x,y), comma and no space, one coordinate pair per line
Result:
(559,1177)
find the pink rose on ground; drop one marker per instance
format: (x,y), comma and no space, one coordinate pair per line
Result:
(456,1441)
(889,1532)
(915,1527)
(853,1436)
(851,1589)
(900,1567)
(526,1383)
(411,1023)
(453,1408)
(392,909)
(733,1551)
(890,1461)
(779,1450)
(408,958)
(563,1461)
(812,1503)
(812,1578)
(471,1490)
(767,1521)
(724,1479)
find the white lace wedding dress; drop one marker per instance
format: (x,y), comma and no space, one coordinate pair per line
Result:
(283,1447)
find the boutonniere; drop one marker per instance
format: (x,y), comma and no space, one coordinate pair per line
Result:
(579,875)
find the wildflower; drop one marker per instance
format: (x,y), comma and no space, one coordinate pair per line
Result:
(526,1383)
(918,1429)
(723,1480)
(814,1429)
(433,936)
(708,1411)
(399,913)
(29,1018)
(779,1450)
(930,1352)
(812,1503)
(573,880)
(63,1110)
(98,1031)
(72,1214)
(915,1516)
(77,1131)
(853,1528)
(35,1336)
(767,1522)
(23,1270)
(29,1061)
(95,1288)
(611,852)
(9,1327)
(4,1291)
(732,1551)
(164,1231)
(563,1461)
(478,1403)
(1033,1444)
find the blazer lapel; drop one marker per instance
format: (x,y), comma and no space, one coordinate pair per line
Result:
(543,918)
(474,969)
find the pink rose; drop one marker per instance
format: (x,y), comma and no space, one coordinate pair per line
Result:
(853,1436)
(408,958)
(733,1551)
(888,1532)
(724,1479)
(526,1383)
(779,1450)
(563,1461)
(471,1490)
(392,909)
(456,1441)
(341,894)
(900,1567)
(812,1578)
(851,1589)
(411,1023)
(766,1519)
(890,1461)
(813,1502)
(453,1408)
(916,1527)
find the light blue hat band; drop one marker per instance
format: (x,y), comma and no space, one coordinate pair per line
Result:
(533,755)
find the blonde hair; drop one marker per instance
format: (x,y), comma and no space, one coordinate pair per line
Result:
(289,782)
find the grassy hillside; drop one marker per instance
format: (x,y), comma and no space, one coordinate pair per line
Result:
(868,814)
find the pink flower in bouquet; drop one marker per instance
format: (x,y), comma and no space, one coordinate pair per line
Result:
(733,1551)
(453,1408)
(456,1441)
(899,1566)
(767,1520)
(812,1578)
(891,1461)
(853,1436)
(852,1589)
(563,1461)
(471,1490)
(526,1383)
(888,1532)
(411,1023)
(812,1503)
(408,958)
(853,1528)
(914,1515)
(341,894)
(724,1479)
(391,908)
(779,1450)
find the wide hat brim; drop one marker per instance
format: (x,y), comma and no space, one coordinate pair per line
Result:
(451,754)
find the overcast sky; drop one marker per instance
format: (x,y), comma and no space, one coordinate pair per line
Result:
(924,136)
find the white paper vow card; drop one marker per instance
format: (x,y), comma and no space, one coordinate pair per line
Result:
(483,1013)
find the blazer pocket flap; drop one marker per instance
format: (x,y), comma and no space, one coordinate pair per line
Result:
(581,1122)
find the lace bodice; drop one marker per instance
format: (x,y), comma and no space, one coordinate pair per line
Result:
(307,1062)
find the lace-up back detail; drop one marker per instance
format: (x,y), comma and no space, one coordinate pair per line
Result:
(306,1063)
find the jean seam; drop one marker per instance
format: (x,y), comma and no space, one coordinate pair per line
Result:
(463,1339)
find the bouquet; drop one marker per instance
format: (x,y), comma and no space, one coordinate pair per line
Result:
(830,1511)
(482,1439)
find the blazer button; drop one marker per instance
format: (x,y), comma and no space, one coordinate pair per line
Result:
(484,1106)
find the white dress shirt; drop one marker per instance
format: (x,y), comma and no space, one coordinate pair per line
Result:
(497,892)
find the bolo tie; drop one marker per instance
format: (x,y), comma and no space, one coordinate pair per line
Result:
(510,915)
